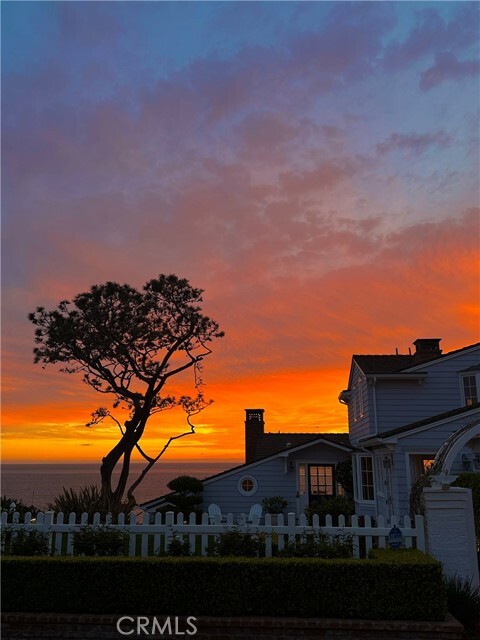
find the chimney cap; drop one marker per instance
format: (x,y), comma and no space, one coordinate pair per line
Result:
(427,344)
(254,414)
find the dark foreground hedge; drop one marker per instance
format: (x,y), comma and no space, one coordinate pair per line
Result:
(393,585)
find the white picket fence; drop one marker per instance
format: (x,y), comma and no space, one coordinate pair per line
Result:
(147,537)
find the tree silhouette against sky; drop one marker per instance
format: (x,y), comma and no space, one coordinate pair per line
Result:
(130,343)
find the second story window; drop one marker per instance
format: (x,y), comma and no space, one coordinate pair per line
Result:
(470,391)
(358,408)
(366,473)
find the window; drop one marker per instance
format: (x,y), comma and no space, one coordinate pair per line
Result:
(321,480)
(302,480)
(358,407)
(366,478)
(470,392)
(247,485)
(420,463)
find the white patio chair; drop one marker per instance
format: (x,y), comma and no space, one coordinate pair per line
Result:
(214,513)
(255,514)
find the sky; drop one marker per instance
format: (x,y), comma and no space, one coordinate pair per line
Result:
(313,166)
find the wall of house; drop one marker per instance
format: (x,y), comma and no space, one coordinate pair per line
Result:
(402,402)
(427,441)
(274,477)
(359,427)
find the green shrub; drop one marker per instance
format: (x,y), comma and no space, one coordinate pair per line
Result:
(178,547)
(463,601)
(274,504)
(397,585)
(472,481)
(186,496)
(334,506)
(344,475)
(318,546)
(234,543)
(25,543)
(20,507)
(89,500)
(100,540)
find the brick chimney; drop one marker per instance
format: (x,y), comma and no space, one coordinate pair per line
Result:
(254,430)
(427,349)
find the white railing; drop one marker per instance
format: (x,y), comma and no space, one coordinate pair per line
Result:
(149,535)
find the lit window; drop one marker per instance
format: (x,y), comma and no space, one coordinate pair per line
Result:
(302,483)
(321,480)
(247,485)
(470,390)
(358,408)
(366,472)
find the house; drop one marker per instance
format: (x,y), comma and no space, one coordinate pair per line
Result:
(401,410)
(298,466)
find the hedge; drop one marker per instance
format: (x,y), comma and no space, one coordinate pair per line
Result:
(471,480)
(391,585)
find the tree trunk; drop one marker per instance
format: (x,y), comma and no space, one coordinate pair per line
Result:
(134,429)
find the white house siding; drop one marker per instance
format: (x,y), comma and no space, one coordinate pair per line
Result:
(383,483)
(274,477)
(359,428)
(402,402)
(426,442)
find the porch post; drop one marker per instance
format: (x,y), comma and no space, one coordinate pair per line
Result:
(450,531)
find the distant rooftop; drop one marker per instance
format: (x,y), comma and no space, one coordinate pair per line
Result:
(272,443)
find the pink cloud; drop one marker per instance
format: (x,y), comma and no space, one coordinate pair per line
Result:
(448,67)
(415,143)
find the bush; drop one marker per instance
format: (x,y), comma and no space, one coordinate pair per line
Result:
(234,543)
(20,507)
(319,546)
(89,500)
(399,585)
(344,475)
(334,506)
(463,601)
(100,540)
(186,495)
(25,543)
(274,504)
(178,547)
(472,481)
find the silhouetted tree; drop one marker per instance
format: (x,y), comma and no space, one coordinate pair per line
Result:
(186,493)
(130,343)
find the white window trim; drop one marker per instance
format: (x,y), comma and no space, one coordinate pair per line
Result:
(358,476)
(469,374)
(408,463)
(380,475)
(358,399)
(247,493)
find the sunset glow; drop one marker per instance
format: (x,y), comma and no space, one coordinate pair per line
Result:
(312,166)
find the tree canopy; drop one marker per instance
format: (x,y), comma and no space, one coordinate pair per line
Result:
(129,344)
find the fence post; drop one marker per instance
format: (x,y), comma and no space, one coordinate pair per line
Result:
(450,530)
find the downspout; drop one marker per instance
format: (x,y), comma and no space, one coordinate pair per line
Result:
(375,424)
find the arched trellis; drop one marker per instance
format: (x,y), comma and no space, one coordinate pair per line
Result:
(450,449)
(439,473)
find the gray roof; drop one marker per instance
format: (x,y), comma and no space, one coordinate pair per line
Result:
(271,443)
(426,421)
(370,364)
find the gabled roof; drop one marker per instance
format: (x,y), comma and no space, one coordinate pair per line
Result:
(401,431)
(383,364)
(371,364)
(274,443)
(341,440)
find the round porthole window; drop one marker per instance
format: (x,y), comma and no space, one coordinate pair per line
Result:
(247,485)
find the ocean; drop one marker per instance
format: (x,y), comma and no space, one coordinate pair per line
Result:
(39,484)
